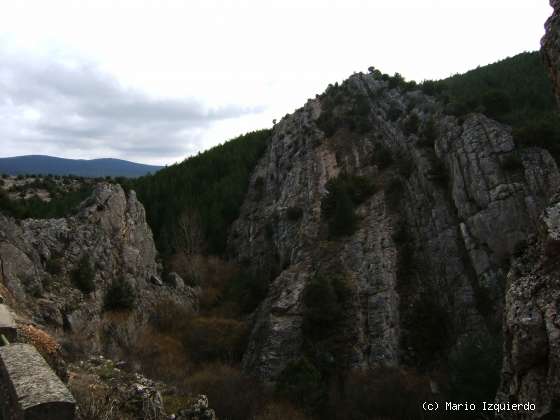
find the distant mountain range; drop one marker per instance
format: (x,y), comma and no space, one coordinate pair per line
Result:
(43,165)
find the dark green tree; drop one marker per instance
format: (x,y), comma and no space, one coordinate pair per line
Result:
(119,296)
(301,383)
(474,369)
(83,275)
(211,184)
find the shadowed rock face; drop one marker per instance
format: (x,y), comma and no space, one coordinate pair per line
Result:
(531,363)
(530,370)
(462,211)
(550,44)
(110,228)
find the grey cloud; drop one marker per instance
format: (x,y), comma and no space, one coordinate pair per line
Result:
(83,108)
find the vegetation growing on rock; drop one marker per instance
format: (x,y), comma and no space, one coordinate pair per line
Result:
(516,91)
(344,193)
(120,295)
(83,275)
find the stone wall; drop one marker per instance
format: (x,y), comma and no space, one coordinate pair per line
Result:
(30,389)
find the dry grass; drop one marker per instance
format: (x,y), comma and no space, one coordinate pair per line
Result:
(47,346)
(93,399)
(174,403)
(42,341)
(109,397)
(231,394)
(382,393)
(161,356)
(170,317)
(204,338)
(214,338)
(116,317)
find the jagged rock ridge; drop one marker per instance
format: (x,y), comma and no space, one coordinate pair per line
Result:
(110,228)
(446,216)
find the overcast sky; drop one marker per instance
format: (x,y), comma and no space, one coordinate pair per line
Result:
(155,81)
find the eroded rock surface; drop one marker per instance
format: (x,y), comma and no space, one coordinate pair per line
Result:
(38,258)
(531,328)
(435,237)
(532,321)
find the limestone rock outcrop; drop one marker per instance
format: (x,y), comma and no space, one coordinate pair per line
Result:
(531,363)
(531,322)
(452,202)
(38,259)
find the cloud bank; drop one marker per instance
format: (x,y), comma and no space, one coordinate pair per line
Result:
(71,108)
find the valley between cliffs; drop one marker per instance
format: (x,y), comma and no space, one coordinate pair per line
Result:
(378,232)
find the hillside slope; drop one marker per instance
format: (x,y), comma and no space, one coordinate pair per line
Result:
(204,191)
(515,91)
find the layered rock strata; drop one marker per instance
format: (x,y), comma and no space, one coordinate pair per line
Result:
(452,202)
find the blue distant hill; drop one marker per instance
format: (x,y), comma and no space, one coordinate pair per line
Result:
(44,165)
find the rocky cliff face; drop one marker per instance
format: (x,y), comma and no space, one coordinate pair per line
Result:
(531,320)
(38,257)
(453,199)
(551,46)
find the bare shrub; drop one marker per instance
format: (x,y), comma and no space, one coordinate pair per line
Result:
(160,355)
(389,393)
(212,273)
(171,317)
(190,232)
(231,394)
(94,402)
(212,338)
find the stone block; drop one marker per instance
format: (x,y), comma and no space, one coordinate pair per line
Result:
(34,392)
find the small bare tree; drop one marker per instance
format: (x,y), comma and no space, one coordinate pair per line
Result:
(190,235)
